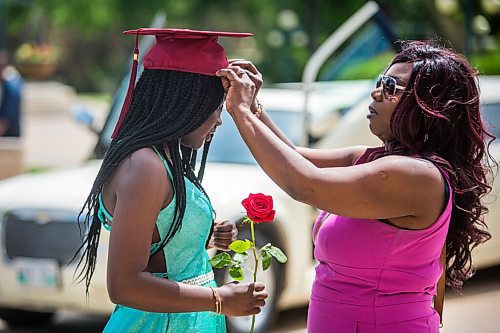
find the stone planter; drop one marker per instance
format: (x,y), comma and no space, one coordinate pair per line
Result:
(37,71)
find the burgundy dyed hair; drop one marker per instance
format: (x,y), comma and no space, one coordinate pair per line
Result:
(438,117)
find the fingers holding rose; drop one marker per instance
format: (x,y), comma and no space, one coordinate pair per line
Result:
(241,299)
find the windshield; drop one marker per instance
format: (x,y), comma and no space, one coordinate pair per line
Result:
(228,146)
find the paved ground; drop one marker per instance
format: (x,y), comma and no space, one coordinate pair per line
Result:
(477,311)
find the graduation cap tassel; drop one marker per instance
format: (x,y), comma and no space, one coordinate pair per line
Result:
(131,84)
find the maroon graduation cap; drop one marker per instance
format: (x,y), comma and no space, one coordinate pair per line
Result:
(182,50)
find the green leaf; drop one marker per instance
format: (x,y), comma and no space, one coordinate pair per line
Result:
(236,272)
(278,254)
(266,247)
(267,259)
(221,260)
(240,257)
(240,246)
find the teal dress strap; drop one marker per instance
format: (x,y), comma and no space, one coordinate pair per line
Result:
(103,215)
(165,162)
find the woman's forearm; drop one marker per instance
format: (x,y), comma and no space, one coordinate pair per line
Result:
(321,158)
(266,120)
(285,166)
(154,294)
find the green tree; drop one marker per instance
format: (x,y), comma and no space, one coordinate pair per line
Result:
(95,54)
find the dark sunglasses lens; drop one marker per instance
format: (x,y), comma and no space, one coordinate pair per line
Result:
(379,81)
(390,84)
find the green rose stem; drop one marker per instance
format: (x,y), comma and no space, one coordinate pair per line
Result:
(256,265)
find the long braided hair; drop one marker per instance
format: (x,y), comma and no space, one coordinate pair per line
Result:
(166,106)
(438,117)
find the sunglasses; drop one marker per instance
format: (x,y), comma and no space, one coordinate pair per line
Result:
(389,84)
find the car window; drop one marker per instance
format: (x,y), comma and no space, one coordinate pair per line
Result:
(228,146)
(491,115)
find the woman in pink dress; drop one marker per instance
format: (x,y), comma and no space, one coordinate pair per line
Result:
(396,218)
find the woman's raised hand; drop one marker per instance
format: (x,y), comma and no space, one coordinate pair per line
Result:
(239,87)
(242,299)
(251,71)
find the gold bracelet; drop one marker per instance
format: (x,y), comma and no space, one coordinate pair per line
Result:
(259,109)
(218,303)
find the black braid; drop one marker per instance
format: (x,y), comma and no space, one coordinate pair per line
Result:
(166,106)
(201,172)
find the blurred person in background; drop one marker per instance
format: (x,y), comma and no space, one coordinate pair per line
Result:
(10,98)
(398,220)
(148,196)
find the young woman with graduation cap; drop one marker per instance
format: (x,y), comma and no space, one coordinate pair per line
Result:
(149,197)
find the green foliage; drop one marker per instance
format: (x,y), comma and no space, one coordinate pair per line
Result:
(240,246)
(37,169)
(275,252)
(236,272)
(221,260)
(240,257)
(267,258)
(487,63)
(367,69)
(95,56)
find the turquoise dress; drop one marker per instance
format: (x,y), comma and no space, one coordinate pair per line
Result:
(186,262)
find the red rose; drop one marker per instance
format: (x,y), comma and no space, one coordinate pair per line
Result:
(259,207)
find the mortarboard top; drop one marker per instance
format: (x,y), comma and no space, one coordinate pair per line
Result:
(184,50)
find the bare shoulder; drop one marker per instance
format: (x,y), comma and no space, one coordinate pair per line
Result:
(404,173)
(143,168)
(408,166)
(388,187)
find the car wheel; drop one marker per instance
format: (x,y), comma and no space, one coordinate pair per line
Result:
(272,280)
(16,318)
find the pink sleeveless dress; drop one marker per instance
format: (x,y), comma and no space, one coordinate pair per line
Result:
(376,278)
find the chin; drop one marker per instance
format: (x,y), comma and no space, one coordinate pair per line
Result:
(191,145)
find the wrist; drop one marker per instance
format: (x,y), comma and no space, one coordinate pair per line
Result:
(257,108)
(240,110)
(217,309)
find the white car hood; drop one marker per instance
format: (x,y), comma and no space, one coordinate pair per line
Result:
(58,188)
(227,184)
